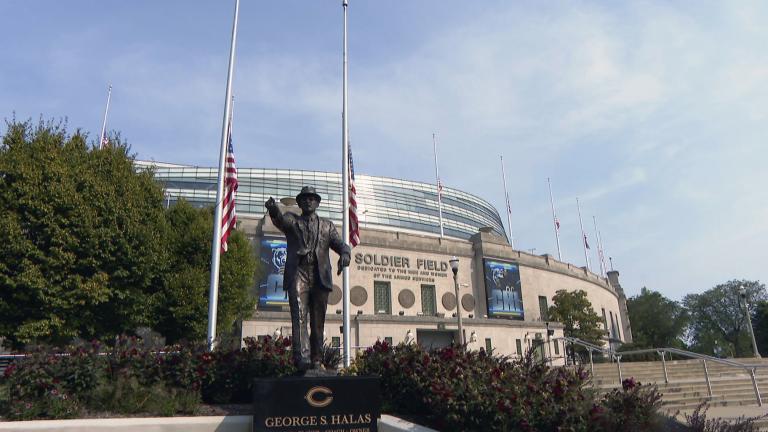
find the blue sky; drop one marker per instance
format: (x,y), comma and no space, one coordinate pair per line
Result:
(652,113)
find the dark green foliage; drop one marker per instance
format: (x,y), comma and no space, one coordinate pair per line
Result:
(718,322)
(456,390)
(81,237)
(185,294)
(88,251)
(574,311)
(760,324)
(130,378)
(648,331)
(331,357)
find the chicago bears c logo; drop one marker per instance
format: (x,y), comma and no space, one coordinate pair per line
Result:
(323,401)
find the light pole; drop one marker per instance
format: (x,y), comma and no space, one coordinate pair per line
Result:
(743,296)
(455,267)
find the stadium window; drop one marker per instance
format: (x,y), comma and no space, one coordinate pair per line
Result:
(605,321)
(335,341)
(488,346)
(519,346)
(557,347)
(428,303)
(388,340)
(382,299)
(543,308)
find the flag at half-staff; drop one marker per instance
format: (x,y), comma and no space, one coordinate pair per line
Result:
(226,185)
(585,243)
(509,206)
(555,221)
(439,187)
(354,226)
(229,213)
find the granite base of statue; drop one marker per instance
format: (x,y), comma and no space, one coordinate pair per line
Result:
(316,399)
(316,403)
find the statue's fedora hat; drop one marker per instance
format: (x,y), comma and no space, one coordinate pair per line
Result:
(308,191)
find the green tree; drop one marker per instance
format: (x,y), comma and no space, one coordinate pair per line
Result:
(760,324)
(181,314)
(81,237)
(718,324)
(648,330)
(574,311)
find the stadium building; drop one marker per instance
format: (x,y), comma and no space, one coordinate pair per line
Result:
(401,284)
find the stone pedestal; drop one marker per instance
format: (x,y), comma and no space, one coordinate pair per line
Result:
(316,403)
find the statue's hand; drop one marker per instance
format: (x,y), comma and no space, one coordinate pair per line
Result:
(343,262)
(270,204)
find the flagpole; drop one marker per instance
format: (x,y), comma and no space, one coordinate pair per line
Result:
(509,209)
(345,193)
(554,221)
(104,124)
(439,186)
(602,251)
(213,294)
(583,236)
(599,250)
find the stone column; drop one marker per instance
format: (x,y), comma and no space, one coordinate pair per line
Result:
(626,327)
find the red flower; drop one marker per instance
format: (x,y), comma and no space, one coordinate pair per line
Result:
(628,384)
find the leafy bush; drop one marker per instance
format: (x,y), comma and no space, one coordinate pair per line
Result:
(452,389)
(634,407)
(228,375)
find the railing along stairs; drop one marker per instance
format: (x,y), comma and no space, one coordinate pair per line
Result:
(663,352)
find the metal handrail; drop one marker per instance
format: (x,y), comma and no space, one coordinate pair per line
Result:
(661,351)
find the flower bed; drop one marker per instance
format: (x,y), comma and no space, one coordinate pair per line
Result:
(449,389)
(130,378)
(457,390)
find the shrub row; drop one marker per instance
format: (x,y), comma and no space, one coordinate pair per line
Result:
(131,378)
(452,389)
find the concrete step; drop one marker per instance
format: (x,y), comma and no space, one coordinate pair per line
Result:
(673,391)
(732,388)
(614,380)
(671,408)
(685,396)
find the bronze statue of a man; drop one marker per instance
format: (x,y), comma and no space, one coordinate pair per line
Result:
(307,277)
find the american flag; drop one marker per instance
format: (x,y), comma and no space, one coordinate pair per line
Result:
(439,187)
(354,227)
(557,223)
(229,215)
(586,243)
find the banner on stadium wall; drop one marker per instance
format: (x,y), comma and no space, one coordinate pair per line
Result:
(272,255)
(502,288)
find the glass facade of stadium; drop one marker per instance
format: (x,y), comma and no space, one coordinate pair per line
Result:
(382,202)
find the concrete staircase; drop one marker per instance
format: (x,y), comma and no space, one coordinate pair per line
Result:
(687,386)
